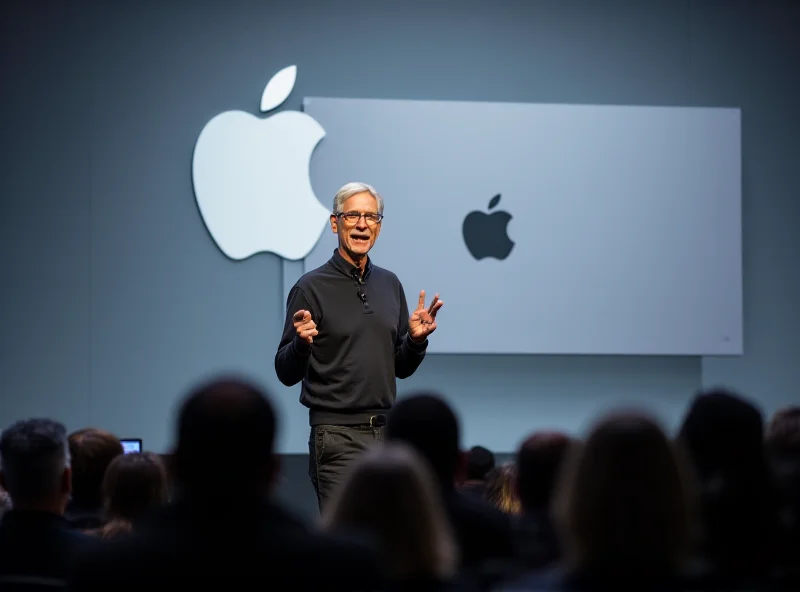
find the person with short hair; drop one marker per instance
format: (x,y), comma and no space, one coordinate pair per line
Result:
(480,461)
(37,546)
(92,451)
(347,337)
(739,521)
(540,459)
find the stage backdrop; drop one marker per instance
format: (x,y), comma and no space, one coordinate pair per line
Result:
(597,229)
(115,299)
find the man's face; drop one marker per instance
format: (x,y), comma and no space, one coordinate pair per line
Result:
(357,234)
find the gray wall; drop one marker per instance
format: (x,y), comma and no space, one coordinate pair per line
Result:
(115,298)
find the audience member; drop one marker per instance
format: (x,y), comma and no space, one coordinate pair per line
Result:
(91,450)
(783,434)
(5,502)
(480,461)
(428,424)
(223,527)
(783,452)
(391,494)
(501,489)
(37,546)
(135,484)
(622,511)
(738,527)
(717,509)
(539,462)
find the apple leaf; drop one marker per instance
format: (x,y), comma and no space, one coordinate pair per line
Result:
(495,200)
(278,88)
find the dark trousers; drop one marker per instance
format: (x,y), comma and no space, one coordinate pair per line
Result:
(332,451)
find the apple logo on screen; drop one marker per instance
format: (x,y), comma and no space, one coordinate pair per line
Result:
(486,235)
(251,178)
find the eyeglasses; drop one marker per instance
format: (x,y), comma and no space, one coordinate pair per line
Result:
(370,218)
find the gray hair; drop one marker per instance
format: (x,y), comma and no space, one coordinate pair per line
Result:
(349,190)
(33,456)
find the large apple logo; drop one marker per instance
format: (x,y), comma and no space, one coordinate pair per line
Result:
(486,235)
(251,178)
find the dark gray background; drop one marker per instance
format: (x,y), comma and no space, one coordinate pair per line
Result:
(115,299)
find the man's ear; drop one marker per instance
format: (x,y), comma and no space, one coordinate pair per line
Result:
(334,224)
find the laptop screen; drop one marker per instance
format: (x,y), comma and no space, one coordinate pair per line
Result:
(131,445)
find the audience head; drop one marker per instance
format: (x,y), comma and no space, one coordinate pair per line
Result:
(501,490)
(624,503)
(783,435)
(92,450)
(429,425)
(392,496)
(723,434)
(225,439)
(134,485)
(34,465)
(480,461)
(539,462)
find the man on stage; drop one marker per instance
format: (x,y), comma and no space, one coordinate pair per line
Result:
(347,337)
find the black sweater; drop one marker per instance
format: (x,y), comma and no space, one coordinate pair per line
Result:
(349,372)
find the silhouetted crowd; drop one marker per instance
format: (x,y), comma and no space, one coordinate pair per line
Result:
(624,506)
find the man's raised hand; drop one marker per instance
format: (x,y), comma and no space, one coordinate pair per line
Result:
(423,320)
(305,327)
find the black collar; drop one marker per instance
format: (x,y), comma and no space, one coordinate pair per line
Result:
(345,267)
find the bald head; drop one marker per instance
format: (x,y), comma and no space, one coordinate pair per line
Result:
(226,436)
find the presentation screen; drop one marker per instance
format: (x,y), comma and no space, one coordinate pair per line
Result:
(550,229)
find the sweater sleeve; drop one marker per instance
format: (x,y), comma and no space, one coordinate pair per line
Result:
(293,355)
(408,354)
